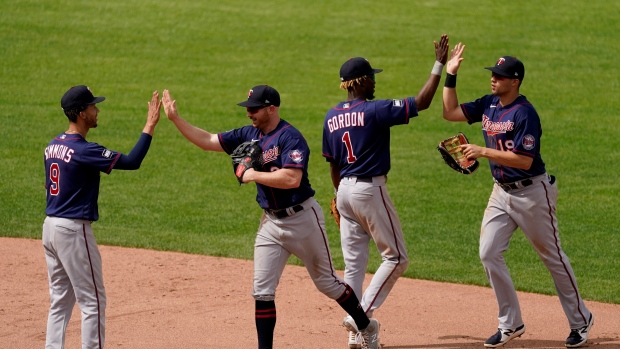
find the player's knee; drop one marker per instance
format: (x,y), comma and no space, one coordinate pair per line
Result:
(331,289)
(489,256)
(402,266)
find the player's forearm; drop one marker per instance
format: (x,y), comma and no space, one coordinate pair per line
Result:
(201,138)
(281,179)
(508,158)
(451,109)
(133,160)
(149,129)
(335,174)
(425,96)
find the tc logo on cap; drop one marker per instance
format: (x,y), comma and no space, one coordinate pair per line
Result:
(508,66)
(261,96)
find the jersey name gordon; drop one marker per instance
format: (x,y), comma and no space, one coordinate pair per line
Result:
(493,128)
(339,121)
(59,151)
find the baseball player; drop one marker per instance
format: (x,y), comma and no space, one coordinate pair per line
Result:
(524,195)
(292,221)
(72,174)
(356,143)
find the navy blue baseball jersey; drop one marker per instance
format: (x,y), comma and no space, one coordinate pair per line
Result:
(515,127)
(356,134)
(283,147)
(72,172)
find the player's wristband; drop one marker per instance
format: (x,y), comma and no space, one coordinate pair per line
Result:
(450,81)
(437,68)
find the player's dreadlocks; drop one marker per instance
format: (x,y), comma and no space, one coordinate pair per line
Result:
(350,84)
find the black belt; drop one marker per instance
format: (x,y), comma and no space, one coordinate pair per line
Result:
(364,179)
(522,184)
(283,213)
(515,185)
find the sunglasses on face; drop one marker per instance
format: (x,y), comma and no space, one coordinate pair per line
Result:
(498,77)
(254,110)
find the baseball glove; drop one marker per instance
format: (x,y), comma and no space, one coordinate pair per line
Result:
(246,155)
(450,150)
(334,211)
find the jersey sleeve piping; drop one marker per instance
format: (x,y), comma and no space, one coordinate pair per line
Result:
(407,111)
(219,137)
(118,155)
(469,119)
(293,166)
(531,155)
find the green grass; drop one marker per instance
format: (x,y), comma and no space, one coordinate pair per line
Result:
(209,53)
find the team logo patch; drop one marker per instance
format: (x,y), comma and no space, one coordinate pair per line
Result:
(529,142)
(296,156)
(398,103)
(107,154)
(346,106)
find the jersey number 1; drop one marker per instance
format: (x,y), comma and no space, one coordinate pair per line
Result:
(346,139)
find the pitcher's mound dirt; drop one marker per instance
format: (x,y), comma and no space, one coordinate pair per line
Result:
(172,300)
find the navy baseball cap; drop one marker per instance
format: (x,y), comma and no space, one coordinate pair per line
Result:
(509,67)
(261,96)
(79,96)
(356,68)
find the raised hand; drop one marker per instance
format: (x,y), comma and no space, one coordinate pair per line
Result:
(170,105)
(441,49)
(154,109)
(152,117)
(456,56)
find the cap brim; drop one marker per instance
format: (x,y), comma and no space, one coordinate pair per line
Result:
(97,100)
(498,71)
(376,71)
(250,104)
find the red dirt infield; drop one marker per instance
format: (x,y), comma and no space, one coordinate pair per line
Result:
(173,300)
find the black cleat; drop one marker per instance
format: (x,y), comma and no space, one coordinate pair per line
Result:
(579,336)
(503,336)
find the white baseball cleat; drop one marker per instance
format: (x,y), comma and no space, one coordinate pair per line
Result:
(370,335)
(355,337)
(349,324)
(355,340)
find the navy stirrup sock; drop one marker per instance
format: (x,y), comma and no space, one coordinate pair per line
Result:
(265,316)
